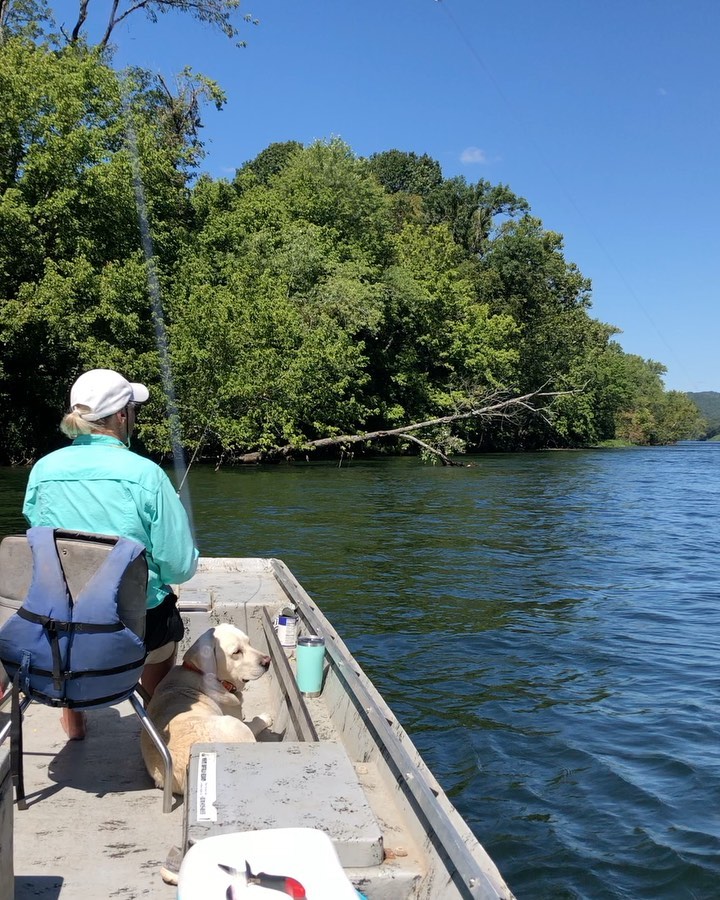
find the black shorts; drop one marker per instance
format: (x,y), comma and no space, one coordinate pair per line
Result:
(163,624)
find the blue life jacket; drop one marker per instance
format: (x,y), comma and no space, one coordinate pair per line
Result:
(72,651)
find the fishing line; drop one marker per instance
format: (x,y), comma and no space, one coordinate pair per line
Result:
(192,459)
(158,316)
(525,128)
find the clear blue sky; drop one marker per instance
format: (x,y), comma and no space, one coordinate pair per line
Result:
(605,116)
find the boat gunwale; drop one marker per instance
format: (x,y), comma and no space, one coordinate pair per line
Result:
(476,881)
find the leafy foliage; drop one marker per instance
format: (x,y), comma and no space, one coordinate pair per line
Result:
(219,14)
(316,294)
(72,279)
(708,403)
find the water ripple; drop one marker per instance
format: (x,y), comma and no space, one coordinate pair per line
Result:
(547,628)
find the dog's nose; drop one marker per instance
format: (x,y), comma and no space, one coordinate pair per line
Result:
(265,662)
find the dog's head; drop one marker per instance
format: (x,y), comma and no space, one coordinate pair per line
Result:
(225,652)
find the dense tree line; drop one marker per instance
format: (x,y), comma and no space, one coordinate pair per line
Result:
(708,402)
(317,293)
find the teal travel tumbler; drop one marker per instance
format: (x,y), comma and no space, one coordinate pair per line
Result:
(310,653)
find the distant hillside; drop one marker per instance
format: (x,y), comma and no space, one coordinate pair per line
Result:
(708,402)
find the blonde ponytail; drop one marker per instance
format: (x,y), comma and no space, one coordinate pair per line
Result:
(73,423)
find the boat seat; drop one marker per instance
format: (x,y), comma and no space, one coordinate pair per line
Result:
(292,784)
(81,555)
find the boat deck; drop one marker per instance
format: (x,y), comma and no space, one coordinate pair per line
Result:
(94,826)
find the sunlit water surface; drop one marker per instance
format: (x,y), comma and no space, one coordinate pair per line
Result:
(545,626)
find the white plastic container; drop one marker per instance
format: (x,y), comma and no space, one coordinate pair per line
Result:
(305,854)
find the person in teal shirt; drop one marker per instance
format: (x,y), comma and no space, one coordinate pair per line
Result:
(98,484)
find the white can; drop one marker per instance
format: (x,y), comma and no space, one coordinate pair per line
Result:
(286,627)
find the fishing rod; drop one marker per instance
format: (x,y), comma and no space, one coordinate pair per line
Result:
(192,460)
(156,303)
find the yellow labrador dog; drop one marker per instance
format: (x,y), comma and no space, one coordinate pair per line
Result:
(201,700)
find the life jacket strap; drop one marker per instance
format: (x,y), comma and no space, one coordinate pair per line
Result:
(58,625)
(70,676)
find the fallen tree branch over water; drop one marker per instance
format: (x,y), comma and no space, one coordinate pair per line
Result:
(493,407)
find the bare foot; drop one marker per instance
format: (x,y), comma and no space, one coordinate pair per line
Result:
(259,723)
(73,723)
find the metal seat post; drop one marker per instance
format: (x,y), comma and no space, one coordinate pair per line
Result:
(161,748)
(5,730)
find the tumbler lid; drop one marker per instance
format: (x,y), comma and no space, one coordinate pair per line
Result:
(311,640)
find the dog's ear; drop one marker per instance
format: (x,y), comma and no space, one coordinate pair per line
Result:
(202,653)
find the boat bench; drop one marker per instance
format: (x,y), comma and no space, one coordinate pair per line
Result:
(233,788)
(291,784)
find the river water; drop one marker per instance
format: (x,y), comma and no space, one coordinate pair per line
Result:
(546,627)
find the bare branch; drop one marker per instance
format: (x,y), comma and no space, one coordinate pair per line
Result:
(493,408)
(217,13)
(112,21)
(82,15)
(4,13)
(446,461)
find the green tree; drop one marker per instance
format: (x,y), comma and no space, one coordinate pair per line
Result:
(642,394)
(438,344)
(678,418)
(73,282)
(422,195)
(315,317)
(271,305)
(27,18)
(408,173)
(472,210)
(647,413)
(270,161)
(525,275)
(219,14)
(317,294)
(708,405)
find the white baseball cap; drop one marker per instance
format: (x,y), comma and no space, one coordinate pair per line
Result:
(105,392)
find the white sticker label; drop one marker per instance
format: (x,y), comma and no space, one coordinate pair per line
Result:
(207,788)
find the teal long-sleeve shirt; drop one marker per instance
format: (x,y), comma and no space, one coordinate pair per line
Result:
(98,485)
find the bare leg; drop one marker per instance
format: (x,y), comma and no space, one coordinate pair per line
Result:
(153,673)
(73,722)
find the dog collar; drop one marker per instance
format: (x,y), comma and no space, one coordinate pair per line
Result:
(228,685)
